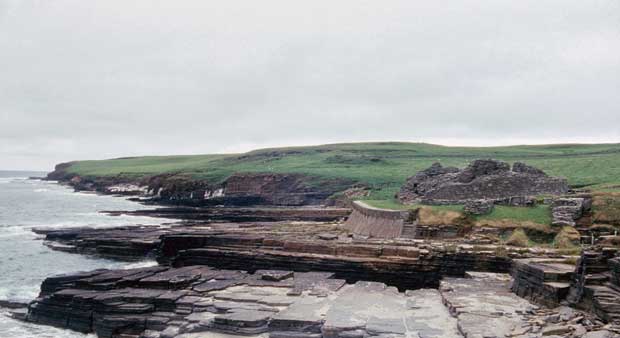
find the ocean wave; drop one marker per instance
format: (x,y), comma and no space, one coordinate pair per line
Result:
(12,230)
(24,293)
(12,328)
(141,264)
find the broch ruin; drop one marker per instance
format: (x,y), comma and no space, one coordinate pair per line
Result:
(489,180)
(272,262)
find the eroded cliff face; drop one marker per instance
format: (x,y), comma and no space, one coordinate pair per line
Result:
(240,189)
(281,189)
(483,179)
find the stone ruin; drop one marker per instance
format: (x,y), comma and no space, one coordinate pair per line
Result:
(478,187)
(380,223)
(489,180)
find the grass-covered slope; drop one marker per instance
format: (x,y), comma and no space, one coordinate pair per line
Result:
(383,166)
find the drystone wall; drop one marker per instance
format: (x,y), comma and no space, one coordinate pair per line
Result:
(380,223)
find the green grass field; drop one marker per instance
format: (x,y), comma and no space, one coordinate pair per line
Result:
(396,205)
(382,166)
(539,214)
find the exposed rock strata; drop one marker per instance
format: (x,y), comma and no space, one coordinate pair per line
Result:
(243,214)
(239,189)
(199,301)
(592,285)
(138,242)
(191,298)
(280,189)
(544,281)
(161,302)
(299,247)
(483,179)
(595,285)
(122,243)
(398,263)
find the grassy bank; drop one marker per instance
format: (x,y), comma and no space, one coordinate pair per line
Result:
(382,166)
(538,217)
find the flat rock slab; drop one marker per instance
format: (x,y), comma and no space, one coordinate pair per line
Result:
(373,309)
(484,305)
(427,315)
(274,275)
(174,302)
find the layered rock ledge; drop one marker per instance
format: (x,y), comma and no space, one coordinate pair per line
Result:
(243,214)
(405,263)
(183,295)
(194,301)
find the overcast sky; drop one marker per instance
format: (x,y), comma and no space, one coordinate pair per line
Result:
(107,78)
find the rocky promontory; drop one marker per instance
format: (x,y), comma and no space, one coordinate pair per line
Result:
(238,189)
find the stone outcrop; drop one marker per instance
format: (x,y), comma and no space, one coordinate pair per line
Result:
(483,179)
(595,285)
(544,281)
(592,285)
(122,243)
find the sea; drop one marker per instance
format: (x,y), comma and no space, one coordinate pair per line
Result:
(25,262)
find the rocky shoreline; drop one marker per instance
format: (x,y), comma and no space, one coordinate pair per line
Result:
(265,279)
(308,246)
(262,256)
(162,302)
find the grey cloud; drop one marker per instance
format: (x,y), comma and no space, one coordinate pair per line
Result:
(97,79)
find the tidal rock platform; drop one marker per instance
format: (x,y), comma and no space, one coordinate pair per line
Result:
(302,247)
(158,302)
(243,214)
(200,301)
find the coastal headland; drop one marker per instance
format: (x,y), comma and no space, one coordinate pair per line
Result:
(350,240)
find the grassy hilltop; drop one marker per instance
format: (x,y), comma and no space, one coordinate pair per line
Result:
(383,166)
